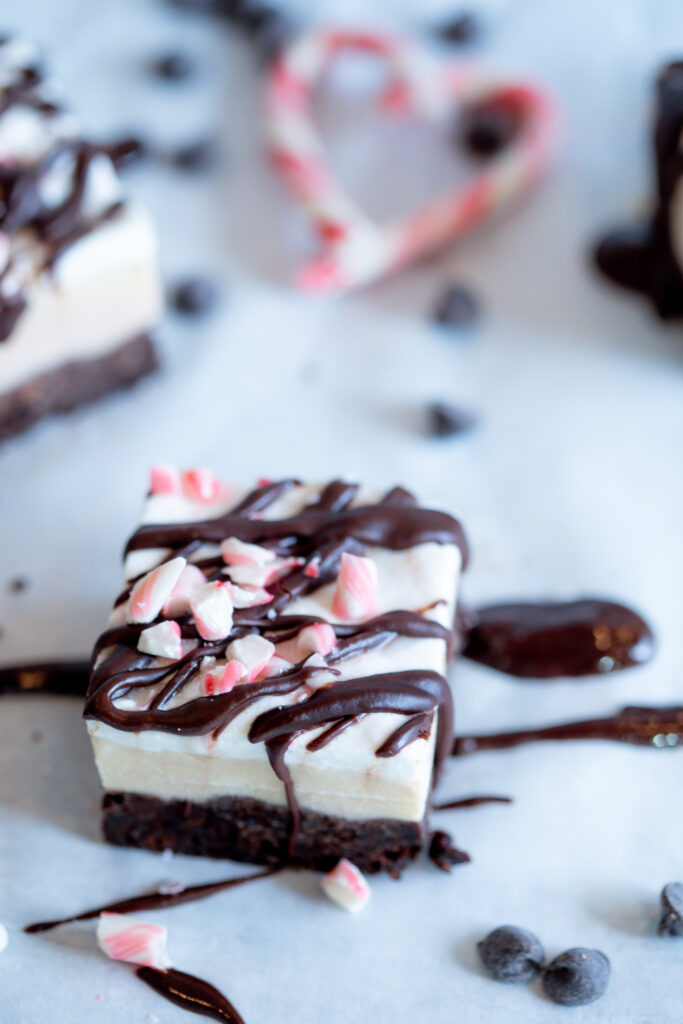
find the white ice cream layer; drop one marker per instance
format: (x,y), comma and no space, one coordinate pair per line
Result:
(344,778)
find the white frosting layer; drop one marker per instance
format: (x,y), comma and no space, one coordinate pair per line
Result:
(104,290)
(343,778)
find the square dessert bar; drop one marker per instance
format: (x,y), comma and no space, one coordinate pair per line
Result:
(270,686)
(79,287)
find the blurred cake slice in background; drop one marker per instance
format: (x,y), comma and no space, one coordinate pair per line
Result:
(647,257)
(79,285)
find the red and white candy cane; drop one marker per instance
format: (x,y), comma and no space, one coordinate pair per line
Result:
(355,249)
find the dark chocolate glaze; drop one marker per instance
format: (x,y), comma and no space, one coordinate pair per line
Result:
(471,801)
(190,993)
(642,258)
(21,204)
(153,901)
(661,728)
(65,678)
(555,639)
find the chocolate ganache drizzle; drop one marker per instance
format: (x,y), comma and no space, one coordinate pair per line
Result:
(323,531)
(27,185)
(190,993)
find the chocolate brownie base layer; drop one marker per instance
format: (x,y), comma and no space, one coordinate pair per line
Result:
(240,828)
(74,384)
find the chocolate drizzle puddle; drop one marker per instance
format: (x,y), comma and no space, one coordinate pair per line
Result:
(471,801)
(153,901)
(661,728)
(190,993)
(555,639)
(63,678)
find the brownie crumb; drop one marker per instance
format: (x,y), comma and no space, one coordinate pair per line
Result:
(173,67)
(446,420)
(626,256)
(444,853)
(465,28)
(194,296)
(457,306)
(485,129)
(18,584)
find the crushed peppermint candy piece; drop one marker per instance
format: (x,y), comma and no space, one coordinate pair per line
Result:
(355,595)
(261,575)
(170,888)
(276,666)
(164,479)
(249,597)
(346,886)
(153,590)
(253,651)
(238,552)
(189,581)
(201,485)
(322,678)
(211,607)
(312,570)
(4,938)
(121,938)
(162,640)
(223,681)
(319,638)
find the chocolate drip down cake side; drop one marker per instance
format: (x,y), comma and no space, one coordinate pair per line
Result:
(271,684)
(79,286)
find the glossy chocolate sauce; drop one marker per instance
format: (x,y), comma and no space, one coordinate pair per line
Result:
(471,801)
(557,639)
(190,993)
(660,728)
(64,678)
(153,901)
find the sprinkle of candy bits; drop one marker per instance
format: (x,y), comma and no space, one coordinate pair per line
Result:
(346,886)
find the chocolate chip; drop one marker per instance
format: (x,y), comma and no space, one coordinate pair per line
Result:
(18,584)
(196,156)
(444,853)
(671,921)
(445,420)
(127,152)
(625,256)
(487,128)
(272,36)
(577,977)
(174,67)
(463,29)
(511,954)
(457,306)
(194,296)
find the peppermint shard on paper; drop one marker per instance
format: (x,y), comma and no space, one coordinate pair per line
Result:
(79,287)
(271,684)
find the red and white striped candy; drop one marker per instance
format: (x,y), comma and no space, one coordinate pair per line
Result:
(201,485)
(189,581)
(152,591)
(122,938)
(355,594)
(164,479)
(238,552)
(254,652)
(223,680)
(346,886)
(262,575)
(354,248)
(162,640)
(248,597)
(319,638)
(211,607)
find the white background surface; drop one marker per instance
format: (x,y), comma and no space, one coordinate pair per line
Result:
(572,485)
